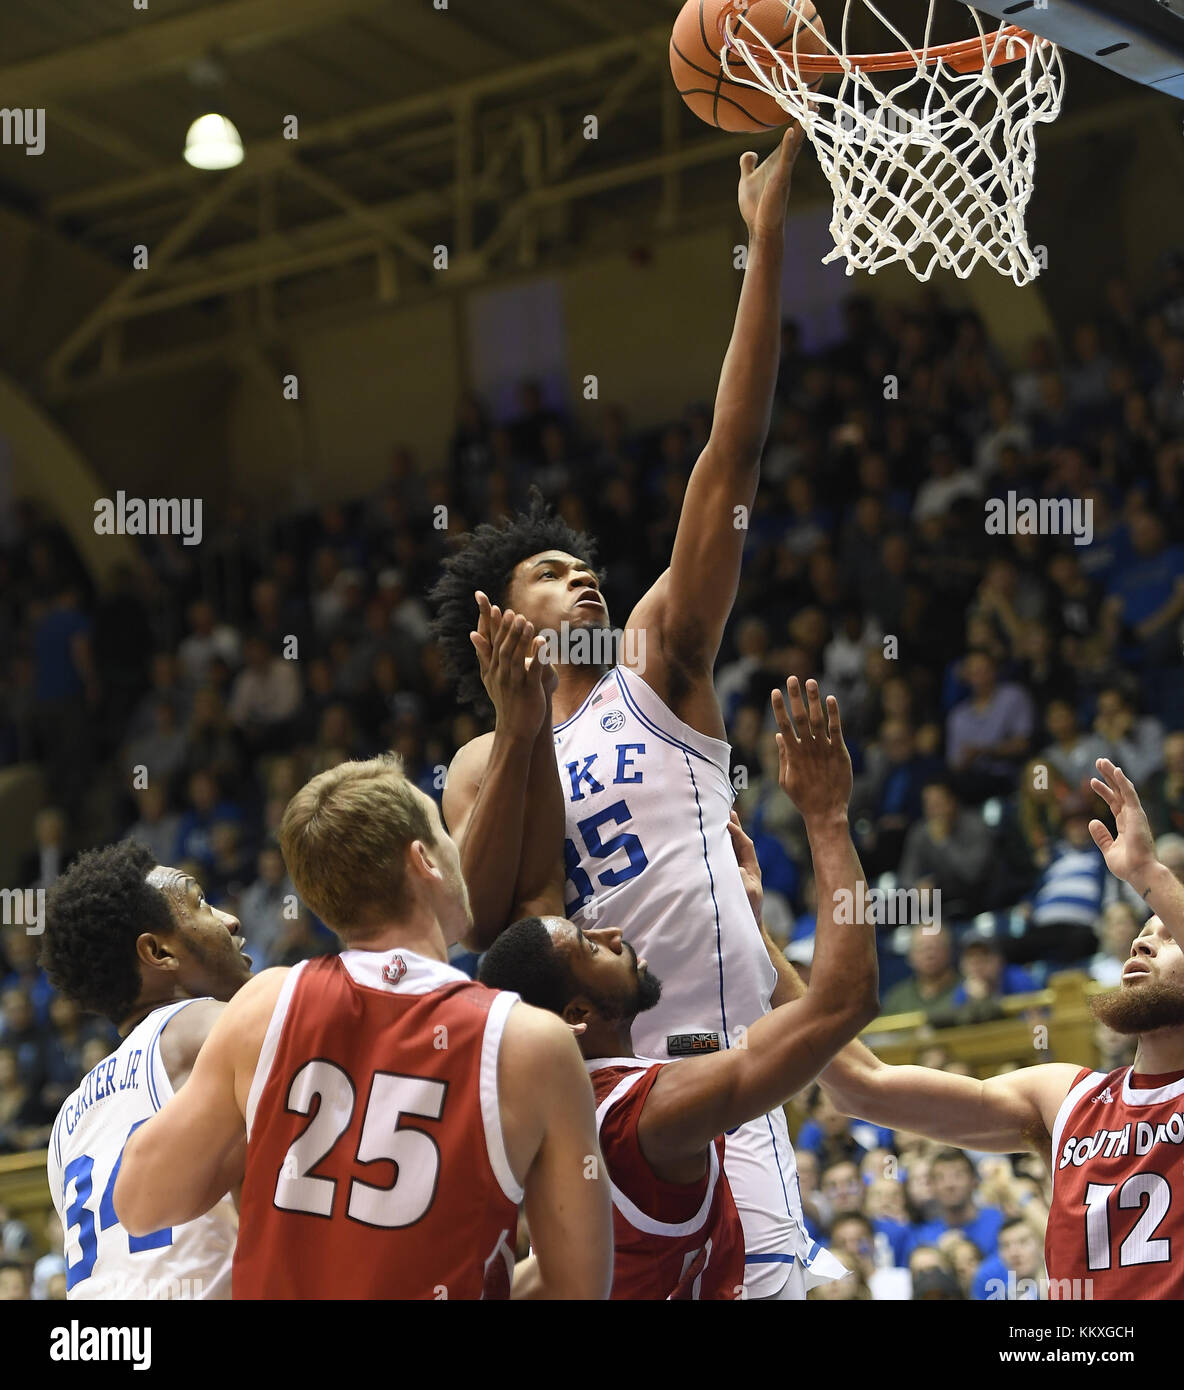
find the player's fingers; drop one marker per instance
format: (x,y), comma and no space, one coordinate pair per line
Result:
(781,714)
(814,710)
(1107,793)
(797,707)
(747,163)
(836,724)
(1102,837)
(1126,786)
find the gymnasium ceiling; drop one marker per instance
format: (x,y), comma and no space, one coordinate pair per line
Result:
(417,126)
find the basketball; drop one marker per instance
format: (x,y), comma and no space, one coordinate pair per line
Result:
(695,46)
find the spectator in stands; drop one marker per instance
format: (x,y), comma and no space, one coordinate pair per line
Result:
(832,1137)
(1163,799)
(161,752)
(1169,849)
(21,1035)
(842,1187)
(1016,1271)
(266,905)
(986,978)
(24,1120)
(24,971)
(1072,754)
(208,638)
(206,809)
(1069,896)
(889,793)
(156,826)
(1120,925)
(988,734)
(932,1276)
(933,980)
(1146,599)
(950,851)
(1135,741)
(886,1207)
(955,1182)
(265,697)
(51,857)
(965,1259)
(15,1282)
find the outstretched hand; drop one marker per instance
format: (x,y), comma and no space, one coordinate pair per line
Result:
(764,187)
(517,681)
(814,767)
(1130,854)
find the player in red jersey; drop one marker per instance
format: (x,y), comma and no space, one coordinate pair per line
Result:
(384,1114)
(1114,1142)
(677,1231)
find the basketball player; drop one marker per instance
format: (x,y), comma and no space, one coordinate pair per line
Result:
(643,766)
(677,1233)
(1114,1141)
(137,942)
(384,1114)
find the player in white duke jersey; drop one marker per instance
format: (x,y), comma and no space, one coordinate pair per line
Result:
(640,747)
(136,942)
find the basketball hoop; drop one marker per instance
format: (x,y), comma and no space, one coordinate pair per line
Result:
(930,151)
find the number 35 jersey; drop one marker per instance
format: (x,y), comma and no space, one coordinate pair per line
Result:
(85,1151)
(1116,1226)
(376,1166)
(648,851)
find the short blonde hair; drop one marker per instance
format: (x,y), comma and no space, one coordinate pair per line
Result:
(345,836)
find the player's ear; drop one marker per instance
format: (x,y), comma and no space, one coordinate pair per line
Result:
(576,1016)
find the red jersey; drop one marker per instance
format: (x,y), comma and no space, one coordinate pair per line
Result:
(672,1240)
(375,1164)
(1117,1149)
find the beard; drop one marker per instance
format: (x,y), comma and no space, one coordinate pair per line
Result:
(647,991)
(1139,1009)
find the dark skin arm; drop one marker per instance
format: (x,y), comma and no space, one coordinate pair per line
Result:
(693,1102)
(498,793)
(683,615)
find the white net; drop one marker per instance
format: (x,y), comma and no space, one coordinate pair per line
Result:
(928,164)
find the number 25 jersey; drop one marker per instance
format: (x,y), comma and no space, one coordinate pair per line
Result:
(376,1166)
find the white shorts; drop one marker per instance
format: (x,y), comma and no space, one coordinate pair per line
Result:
(763,1175)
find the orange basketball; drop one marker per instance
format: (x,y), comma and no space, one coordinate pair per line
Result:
(694,58)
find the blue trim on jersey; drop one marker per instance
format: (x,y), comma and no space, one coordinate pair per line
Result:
(661,733)
(719,945)
(571,718)
(153,1048)
(777,1161)
(770,1259)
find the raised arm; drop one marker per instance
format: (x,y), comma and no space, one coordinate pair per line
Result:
(497,802)
(684,614)
(1130,853)
(782,1052)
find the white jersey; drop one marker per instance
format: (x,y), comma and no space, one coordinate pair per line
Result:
(85,1150)
(648,850)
